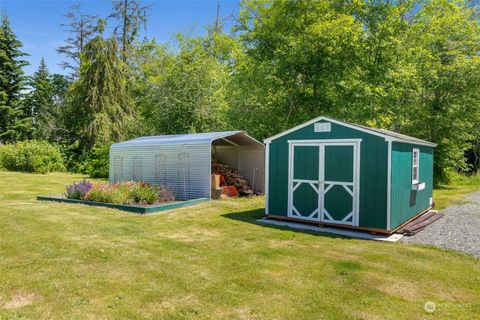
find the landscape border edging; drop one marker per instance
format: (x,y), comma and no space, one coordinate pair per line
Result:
(128,208)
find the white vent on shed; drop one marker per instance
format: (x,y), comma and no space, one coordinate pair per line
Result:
(322,127)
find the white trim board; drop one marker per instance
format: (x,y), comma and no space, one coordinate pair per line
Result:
(351,126)
(326,141)
(417,168)
(267,173)
(337,231)
(389,184)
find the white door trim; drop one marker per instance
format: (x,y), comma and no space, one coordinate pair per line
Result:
(355,143)
(389,185)
(326,142)
(294,183)
(267,177)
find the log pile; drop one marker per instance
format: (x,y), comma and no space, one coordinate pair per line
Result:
(231,178)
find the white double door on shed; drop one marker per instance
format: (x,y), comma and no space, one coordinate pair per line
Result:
(324,181)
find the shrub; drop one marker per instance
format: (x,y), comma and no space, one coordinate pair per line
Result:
(165,194)
(104,193)
(1,156)
(144,194)
(96,161)
(78,190)
(31,156)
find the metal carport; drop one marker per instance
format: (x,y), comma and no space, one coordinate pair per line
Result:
(183,161)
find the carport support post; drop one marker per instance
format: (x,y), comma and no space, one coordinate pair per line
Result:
(210,169)
(238,158)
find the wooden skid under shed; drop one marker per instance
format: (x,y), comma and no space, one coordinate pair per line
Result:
(420,223)
(367,229)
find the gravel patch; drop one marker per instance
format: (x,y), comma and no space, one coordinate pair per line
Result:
(458,230)
(473,197)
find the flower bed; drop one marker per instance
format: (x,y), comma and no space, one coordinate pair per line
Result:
(122,193)
(131,196)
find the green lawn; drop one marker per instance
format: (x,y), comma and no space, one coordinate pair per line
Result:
(211,261)
(454,193)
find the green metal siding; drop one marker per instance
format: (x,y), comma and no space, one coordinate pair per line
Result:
(373,172)
(338,163)
(306,162)
(406,203)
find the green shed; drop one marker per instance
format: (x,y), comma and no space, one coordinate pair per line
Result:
(330,172)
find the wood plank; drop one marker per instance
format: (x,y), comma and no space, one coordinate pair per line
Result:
(421,223)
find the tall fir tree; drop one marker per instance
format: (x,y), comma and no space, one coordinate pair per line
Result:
(132,17)
(59,112)
(12,81)
(82,28)
(99,104)
(39,103)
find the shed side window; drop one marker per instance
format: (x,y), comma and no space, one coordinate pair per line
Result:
(415,166)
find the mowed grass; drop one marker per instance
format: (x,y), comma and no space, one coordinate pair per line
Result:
(210,261)
(456,191)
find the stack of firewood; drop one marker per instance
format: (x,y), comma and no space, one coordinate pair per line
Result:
(232,178)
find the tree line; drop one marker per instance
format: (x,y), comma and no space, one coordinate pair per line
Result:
(408,66)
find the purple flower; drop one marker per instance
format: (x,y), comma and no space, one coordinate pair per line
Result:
(78,190)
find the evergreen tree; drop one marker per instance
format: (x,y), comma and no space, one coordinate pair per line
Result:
(39,103)
(81,28)
(131,16)
(59,131)
(12,80)
(100,108)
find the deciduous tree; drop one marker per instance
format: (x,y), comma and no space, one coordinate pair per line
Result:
(443,46)
(184,90)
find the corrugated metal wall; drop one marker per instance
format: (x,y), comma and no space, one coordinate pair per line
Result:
(185,168)
(226,154)
(249,161)
(406,202)
(252,167)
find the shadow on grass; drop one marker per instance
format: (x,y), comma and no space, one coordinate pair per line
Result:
(251,216)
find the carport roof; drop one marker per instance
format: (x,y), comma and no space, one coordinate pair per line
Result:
(235,137)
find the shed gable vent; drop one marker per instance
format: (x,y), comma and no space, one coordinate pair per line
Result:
(323,127)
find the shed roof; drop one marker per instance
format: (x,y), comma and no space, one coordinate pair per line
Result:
(237,137)
(387,134)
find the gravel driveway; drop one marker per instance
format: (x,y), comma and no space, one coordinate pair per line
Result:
(458,230)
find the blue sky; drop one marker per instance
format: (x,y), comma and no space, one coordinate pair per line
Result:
(37,23)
